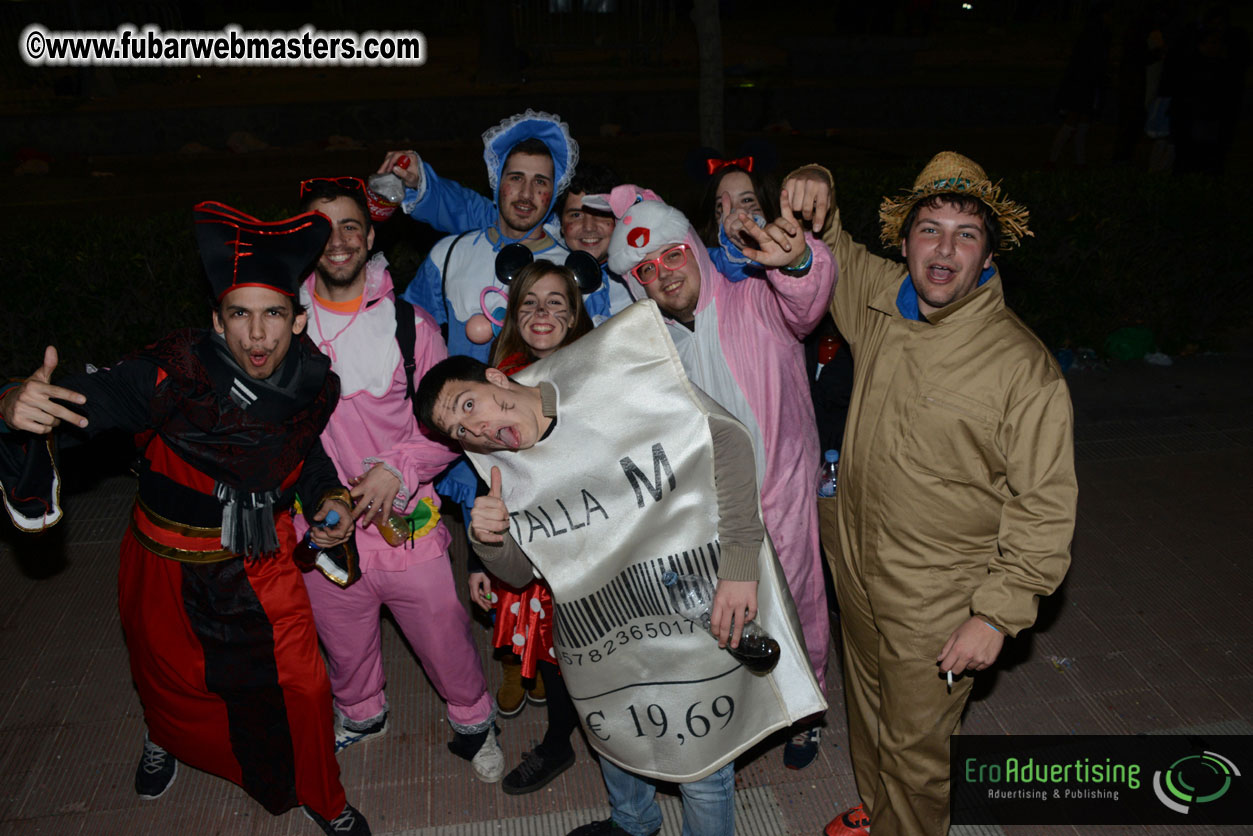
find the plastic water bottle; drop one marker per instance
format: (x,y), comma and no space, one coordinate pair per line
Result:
(306,553)
(693,598)
(829,473)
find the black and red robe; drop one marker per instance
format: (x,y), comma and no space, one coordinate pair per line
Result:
(223,649)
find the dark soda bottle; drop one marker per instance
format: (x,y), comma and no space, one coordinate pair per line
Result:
(693,597)
(757,653)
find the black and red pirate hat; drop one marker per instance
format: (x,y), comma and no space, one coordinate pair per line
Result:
(240,251)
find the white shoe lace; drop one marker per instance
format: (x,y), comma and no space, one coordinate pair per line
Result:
(345,821)
(153,758)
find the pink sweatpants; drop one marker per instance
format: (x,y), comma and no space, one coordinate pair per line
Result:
(423,600)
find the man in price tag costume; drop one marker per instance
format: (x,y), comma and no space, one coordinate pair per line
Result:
(601,513)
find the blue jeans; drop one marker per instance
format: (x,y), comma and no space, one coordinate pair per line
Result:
(708,804)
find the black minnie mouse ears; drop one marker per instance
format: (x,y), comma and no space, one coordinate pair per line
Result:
(512,258)
(510,261)
(586,271)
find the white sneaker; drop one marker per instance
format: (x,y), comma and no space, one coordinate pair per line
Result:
(489,761)
(346,735)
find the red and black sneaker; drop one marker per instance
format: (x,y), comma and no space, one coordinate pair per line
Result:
(852,822)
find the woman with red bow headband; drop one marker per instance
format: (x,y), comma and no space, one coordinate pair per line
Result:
(747,183)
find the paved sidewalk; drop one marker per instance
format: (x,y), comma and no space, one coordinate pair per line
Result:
(1152,632)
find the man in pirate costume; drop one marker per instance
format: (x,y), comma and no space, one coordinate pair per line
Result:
(607,468)
(222,644)
(957,481)
(379,449)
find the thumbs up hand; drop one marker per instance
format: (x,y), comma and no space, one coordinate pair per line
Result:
(32,407)
(489,518)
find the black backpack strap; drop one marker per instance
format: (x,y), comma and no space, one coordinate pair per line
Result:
(443,279)
(406,333)
(443,276)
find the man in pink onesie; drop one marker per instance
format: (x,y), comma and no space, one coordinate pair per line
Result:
(741,343)
(379,449)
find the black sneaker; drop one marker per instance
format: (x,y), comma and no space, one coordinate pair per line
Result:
(534,772)
(801,750)
(348,823)
(155,772)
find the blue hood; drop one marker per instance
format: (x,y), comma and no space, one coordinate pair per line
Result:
(548,128)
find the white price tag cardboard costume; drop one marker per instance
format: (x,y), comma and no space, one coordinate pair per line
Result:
(602,517)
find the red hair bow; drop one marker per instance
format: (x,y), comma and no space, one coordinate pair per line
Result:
(716,165)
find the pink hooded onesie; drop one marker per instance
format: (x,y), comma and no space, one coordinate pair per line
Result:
(374,423)
(744,350)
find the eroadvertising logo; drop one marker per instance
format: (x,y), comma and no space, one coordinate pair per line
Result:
(1211,775)
(1107,779)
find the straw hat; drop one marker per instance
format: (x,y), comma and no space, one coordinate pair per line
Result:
(951,173)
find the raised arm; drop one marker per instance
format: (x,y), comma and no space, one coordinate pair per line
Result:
(117,397)
(114,398)
(810,192)
(800,270)
(444,205)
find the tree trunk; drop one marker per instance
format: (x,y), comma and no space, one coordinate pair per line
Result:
(709,38)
